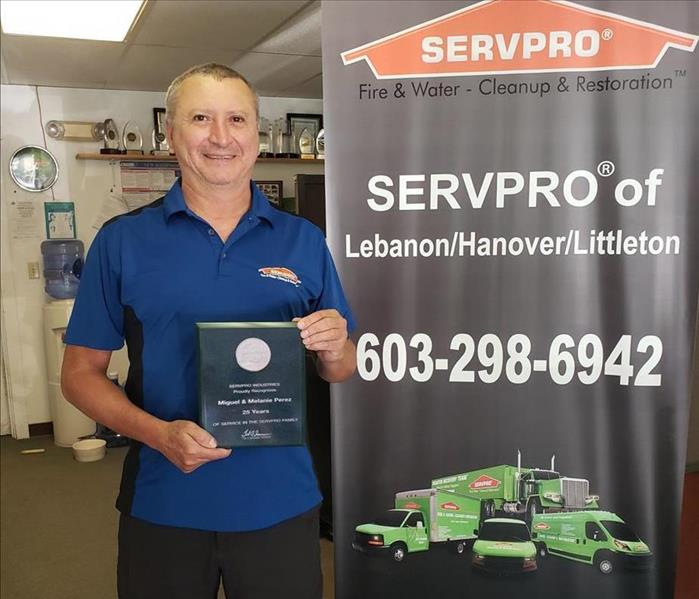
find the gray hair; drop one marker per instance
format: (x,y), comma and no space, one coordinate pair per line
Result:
(217,71)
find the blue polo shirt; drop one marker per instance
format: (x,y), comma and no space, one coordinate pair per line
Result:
(150,275)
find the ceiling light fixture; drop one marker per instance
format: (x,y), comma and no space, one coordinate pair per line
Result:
(105,20)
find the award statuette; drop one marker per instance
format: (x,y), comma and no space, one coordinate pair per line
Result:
(281,139)
(160,145)
(265,134)
(252,383)
(111,138)
(132,139)
(320,145)
(306,144)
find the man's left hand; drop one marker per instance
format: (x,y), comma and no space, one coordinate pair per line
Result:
(325,332)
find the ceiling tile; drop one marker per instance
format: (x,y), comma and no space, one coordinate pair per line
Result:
(232,25)
(63,62)
(313,88)
(175,35)
(270,73)
(300,35)
(152,68)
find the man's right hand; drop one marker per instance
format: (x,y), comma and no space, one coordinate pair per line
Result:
(188,446)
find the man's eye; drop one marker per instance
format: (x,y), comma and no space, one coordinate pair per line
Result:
(238,119)
(199,117)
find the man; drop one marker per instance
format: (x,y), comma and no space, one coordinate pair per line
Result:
(191,512)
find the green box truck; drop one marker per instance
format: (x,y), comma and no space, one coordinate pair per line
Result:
(518,490)
(420,519)
(598,538)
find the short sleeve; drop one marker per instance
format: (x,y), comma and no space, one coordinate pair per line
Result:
(97,320)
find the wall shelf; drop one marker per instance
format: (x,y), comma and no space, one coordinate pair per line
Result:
(148,158)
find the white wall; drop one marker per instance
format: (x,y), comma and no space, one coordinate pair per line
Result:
(24,112)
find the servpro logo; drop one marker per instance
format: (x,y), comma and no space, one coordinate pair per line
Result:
(450,506)
(484,482)
(411,506)
(280,273)
(523,36)
(541,526)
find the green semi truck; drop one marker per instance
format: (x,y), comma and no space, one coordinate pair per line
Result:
(597,538)
(420,519)
(518,490)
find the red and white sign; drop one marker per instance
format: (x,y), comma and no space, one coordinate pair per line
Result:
(450,506)
(526,36)
(484,482)
(411,506)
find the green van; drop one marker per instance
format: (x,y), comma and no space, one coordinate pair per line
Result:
(598,538)
(504,546)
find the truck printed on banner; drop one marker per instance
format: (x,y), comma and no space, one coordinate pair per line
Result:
(597,538)
(421,519)
(516,490)
(458,511)
(504,546)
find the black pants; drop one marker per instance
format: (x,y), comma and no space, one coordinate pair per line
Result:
(162,562)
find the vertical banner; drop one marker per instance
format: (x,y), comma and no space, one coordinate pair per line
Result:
(512,203)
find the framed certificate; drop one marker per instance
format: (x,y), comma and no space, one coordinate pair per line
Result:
(252,383)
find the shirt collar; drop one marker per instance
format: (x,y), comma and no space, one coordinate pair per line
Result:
(261,208)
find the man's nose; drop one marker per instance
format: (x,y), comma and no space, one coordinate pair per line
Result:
(219,133)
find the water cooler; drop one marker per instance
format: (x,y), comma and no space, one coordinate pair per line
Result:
(69,423)
(62,266)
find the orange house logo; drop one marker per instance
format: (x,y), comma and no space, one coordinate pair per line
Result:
(280,273)
(484,482)
(520,36)
(450,506)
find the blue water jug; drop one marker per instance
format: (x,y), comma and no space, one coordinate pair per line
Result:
(63,263)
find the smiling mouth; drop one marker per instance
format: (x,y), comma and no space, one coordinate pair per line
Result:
(220,156)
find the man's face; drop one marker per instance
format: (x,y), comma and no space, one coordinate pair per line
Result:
(214,131)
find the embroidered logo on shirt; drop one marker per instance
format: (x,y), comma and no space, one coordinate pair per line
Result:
(280,273)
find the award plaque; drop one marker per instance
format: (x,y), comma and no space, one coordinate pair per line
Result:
(252,383)
(132,139)
(111,138)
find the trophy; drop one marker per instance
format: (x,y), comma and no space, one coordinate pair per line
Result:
(282,140)
(306,143)
(111,138)
(320,145)
(293,145)
(160,145)
(265,136)
(132,138)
